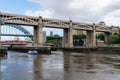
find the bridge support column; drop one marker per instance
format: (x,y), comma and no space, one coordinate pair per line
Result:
(94,35)
(91,37)
(68,36)
(88,38)
(35,36)
(107,36)
(38,41)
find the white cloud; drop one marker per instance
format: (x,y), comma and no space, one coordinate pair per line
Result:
(112,18)
(81,10)
(43,13)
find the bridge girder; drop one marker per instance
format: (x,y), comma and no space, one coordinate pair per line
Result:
(47,22)
(22,29)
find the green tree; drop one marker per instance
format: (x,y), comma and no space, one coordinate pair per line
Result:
(119,37)
(54,41)
(83,36)
(56,35)
(114,39)
(100,36)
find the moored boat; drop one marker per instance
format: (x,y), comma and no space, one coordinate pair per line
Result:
(34,52)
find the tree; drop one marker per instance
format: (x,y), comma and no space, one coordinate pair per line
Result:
(54,41)
(75,37)
(114,39)
(119,37)
(100,36)
(57,35)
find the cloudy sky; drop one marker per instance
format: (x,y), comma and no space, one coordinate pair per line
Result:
(77,10)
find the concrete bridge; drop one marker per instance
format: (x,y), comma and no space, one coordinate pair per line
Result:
(68,26)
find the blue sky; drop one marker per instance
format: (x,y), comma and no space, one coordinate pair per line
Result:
(87,11)
(20,7)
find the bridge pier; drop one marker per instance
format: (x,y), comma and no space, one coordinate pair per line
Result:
(107,36)
(91,37)
(94,35)
(68,36)
(38,41)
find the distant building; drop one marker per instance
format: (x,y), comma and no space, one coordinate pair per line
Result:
(51,33)
(115,29)
(100,43)
(44,36)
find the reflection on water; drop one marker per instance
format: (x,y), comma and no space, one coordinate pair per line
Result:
(81,61)
(60,66)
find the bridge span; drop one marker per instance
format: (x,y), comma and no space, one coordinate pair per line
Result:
(68,26)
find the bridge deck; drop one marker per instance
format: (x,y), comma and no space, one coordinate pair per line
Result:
(8,18)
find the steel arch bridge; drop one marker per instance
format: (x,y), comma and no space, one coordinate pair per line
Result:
(20,28)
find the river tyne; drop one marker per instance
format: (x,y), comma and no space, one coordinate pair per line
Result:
(60,65)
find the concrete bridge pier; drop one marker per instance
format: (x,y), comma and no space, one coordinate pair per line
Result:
(91,37)
(38,41)
(107,36)
(94,35)
(68,36)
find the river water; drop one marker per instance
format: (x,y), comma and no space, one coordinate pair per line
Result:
(60,66)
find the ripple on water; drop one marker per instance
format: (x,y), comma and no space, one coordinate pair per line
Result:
(3,68)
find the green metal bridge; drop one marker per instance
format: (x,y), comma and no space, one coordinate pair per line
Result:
(25,32)
(22,35)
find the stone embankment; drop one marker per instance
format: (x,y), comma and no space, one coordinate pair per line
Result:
(109,50)
(3,52)
(41,50)
(91,49)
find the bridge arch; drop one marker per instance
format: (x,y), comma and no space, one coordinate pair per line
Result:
(82,27)
(23,30)
(55,24)
(20,19)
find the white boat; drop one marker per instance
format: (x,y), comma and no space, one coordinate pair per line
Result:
(33,52)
